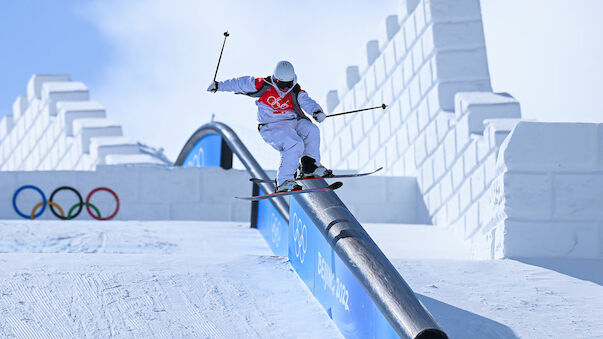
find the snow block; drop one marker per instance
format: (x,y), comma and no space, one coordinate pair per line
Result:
(352,76)
(100,147)
(84,129)
(332,100)
(410,31)
(126,159)
(407,7)
(483,105)
(391,26)
(174,185)
(6,125)
(552,147)
(453,11)
(19,106)
(53,92)
(461,65)
(562,239)
(400,45)
(34,85)
(446,91)
(372,51)
(212,181)
(496,131)
(445,36)
(600,146)
(420,17)
(528,196)
(578,197)
(71,110)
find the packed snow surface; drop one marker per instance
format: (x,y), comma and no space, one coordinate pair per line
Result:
(149,280)
(218,279)
(531,298)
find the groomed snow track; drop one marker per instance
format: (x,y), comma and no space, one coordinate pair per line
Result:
(149,279)
(347,239)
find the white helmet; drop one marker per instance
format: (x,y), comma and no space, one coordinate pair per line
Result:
(284,71)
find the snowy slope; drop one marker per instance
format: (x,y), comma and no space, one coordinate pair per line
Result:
(536,298)
(152,279)
(218,279)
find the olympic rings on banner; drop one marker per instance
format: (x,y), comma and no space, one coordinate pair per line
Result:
(79,204)
(106,190)
(70,214)
(50,203)
(79,197)
(35,189)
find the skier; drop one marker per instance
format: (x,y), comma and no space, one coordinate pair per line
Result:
(282,123)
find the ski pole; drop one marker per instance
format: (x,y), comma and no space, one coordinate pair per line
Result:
(384,106)
(223,43)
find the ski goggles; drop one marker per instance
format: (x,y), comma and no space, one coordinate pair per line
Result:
(282,85)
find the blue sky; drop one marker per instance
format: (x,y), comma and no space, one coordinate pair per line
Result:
(40,36)
(149,62)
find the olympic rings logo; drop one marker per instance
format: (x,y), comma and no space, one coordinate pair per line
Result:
(275,102)
(275,230)
(300,238)
(198,159)
(70,214)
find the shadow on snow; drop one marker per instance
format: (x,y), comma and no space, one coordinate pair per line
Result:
(583,269)
(458,323)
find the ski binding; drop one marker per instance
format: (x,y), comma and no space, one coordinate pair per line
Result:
(258,180)
(331,187)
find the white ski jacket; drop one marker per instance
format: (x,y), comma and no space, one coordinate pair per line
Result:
(273,104)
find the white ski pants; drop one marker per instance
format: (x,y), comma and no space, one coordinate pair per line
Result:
(293,139)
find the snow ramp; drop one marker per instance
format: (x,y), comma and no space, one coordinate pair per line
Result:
(342,266)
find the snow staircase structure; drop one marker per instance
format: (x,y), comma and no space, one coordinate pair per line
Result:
(500,183)
(55,126)
(328,248)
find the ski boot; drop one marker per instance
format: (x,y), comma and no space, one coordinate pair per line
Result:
(308,169)
(288,185)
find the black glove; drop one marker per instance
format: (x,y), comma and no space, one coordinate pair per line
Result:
(213,87)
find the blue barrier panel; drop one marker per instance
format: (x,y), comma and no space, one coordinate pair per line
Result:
(331,282)
(272,226)
(206,152)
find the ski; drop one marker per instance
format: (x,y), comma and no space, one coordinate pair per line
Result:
(258,180)
(331,187)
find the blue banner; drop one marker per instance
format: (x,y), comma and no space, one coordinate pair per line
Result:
(272,226)
(206,153)
(331,282)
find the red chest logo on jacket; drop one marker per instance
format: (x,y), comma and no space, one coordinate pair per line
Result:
(278,104)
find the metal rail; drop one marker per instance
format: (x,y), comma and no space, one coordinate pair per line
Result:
(377,275)
(380,279)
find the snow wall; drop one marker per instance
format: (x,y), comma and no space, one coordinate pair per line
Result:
(56,127)
(509,188)
(57,137)
(144,193)
(148,192)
